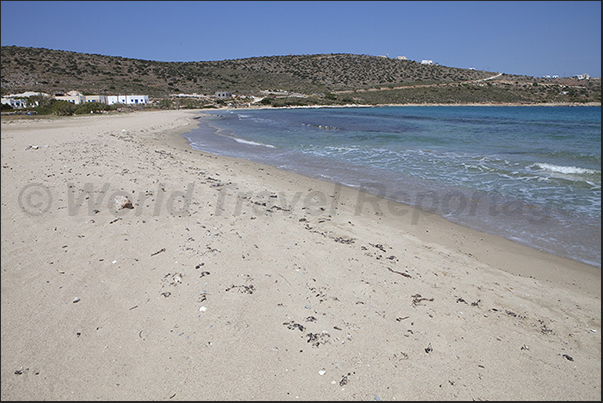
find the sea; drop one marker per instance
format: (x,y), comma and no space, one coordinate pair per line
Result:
(530,174)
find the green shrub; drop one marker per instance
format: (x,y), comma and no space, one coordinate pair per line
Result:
(62,108)
(43,110)
(89,107)
(165,103)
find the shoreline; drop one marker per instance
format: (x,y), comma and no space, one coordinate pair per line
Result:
(510,104)
(233,280)
(489,248)
(590,260)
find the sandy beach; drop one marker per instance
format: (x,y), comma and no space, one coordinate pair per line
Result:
(225,279)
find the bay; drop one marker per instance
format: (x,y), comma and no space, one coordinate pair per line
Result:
(530,174)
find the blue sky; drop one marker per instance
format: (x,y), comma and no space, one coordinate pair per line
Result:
(514,37)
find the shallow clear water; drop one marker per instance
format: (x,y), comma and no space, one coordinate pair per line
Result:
(531,174)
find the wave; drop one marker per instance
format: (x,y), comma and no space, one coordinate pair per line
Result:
(321,126)
(567,170)
(252,143)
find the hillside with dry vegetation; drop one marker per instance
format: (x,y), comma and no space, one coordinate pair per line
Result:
(322,79)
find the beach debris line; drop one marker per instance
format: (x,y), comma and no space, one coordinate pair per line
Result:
(417,298)
(318,338)
(347,241)
(245,289)
(345,379)
(476,303)
(291,325)
(378,246)
(158,252)
(544,329)
(399,272)
(174,279)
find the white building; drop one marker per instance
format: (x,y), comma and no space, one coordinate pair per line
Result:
(74,97)
(15,103)
(101,99)
(426,61)
(128,99)
(193,95)
(20,101)
(401,58)
(223,94)
(28,94)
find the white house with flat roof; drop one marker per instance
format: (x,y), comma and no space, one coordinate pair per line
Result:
(19,101)
(15,103)
(128,99)
(74,97)
(100,99)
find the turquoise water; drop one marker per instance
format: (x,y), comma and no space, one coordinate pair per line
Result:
(531,174)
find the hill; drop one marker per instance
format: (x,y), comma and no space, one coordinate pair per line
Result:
(324,78)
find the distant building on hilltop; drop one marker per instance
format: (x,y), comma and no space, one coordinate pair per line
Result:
(426,61)
(401,58)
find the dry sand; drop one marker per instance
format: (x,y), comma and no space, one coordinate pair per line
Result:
(232,280)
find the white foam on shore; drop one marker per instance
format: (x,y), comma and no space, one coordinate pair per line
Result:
(253,143)
(569,170)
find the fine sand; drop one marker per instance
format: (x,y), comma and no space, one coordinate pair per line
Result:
(232,280)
